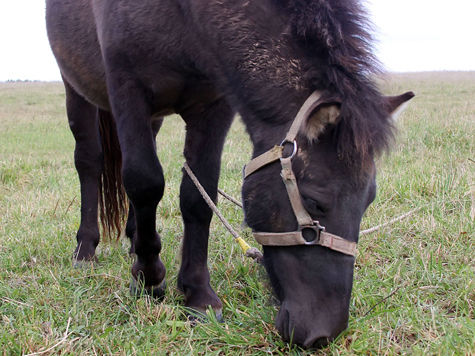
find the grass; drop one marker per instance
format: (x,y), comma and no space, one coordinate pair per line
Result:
(414,285)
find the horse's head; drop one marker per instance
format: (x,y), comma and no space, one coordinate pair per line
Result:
(332,187)
(271,55)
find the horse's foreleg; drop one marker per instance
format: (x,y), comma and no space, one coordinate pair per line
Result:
(142,177)
(205,134)
(82,117)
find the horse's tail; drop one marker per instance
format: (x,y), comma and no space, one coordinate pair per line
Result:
(113,202)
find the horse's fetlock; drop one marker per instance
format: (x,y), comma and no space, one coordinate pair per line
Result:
(149,270)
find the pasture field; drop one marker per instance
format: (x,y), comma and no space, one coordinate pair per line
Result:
(414,280)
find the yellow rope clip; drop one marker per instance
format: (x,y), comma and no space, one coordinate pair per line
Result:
(244,245)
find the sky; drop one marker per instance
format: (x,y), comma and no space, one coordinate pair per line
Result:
(412,35)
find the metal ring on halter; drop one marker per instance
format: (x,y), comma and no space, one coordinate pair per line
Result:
(316,228)
(294,152)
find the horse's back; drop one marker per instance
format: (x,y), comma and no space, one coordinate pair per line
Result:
(144,39)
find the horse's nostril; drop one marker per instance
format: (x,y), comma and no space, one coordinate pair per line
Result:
(310,341)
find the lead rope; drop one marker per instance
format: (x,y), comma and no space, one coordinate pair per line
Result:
(230,198)
(249,251)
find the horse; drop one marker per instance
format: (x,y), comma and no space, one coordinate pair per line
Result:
(301,73)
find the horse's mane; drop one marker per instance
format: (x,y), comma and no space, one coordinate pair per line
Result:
(336,36)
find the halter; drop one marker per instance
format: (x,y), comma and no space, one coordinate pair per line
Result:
(314,233)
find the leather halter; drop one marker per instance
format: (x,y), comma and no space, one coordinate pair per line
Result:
(314,233)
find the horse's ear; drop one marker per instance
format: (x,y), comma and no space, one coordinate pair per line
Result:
(395,105)
(324,115)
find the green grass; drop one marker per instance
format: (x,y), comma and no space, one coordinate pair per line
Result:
(414,280)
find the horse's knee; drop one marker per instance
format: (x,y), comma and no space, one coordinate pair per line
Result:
(144,184)
(193,207)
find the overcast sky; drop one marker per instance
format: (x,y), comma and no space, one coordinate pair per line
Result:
(414,35)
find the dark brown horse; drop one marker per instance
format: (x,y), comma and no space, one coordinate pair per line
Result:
(125,64)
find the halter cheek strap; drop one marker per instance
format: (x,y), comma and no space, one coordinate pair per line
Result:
(310,232)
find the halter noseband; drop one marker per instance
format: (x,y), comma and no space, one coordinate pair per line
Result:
(314,232)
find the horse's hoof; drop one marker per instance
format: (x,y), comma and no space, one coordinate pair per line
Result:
(200,316)
(85,264)
(219,315)
(137,289)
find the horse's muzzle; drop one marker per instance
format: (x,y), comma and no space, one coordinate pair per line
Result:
(308,329)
